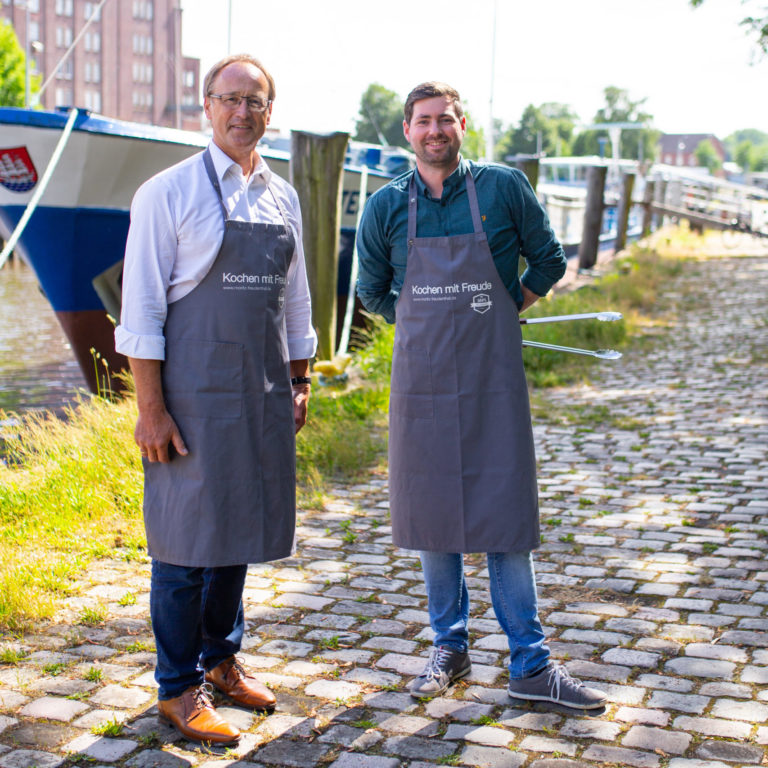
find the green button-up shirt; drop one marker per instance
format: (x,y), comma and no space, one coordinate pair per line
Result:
(513,219)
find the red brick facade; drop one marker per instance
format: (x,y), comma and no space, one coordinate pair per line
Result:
(127,64)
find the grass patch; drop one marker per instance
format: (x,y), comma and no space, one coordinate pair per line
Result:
(70,492)
(94,675)
(71,489)
(110,728)
(632,288)
(93,616)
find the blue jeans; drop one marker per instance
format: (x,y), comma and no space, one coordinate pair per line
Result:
(197,619)
(513,595)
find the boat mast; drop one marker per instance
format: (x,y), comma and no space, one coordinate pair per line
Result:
(229,29)
(489,142)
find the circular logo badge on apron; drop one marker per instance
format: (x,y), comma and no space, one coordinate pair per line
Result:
(481,302)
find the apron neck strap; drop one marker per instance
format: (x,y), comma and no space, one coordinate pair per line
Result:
(211,171)
(474,208)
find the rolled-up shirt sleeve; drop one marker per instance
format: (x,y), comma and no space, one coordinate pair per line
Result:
(374,282)
(150,253)
(301,336)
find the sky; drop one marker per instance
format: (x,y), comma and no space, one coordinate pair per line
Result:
(694,67)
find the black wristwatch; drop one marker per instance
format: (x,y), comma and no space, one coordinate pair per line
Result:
(300,380)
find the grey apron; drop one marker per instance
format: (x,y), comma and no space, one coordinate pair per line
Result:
(226,383)
(462,470)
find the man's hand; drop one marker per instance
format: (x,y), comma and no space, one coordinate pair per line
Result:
(155,427)
(155,431)
(300,369)
(300,403)
(529,298)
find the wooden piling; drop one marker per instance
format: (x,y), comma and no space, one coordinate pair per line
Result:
(529,165)
(648,194)
(625,204)
(661,199)
(593,216)
(316,172)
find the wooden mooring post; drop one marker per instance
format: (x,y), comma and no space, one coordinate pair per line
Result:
(661,199)
(529,165)
(650,187)
(625,204)
(593,216)
(316,172)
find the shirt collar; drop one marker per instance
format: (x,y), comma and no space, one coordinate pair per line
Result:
(450,185)
(223,163)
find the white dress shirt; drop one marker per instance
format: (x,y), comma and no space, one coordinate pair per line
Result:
(175,234)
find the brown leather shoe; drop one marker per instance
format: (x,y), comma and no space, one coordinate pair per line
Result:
(193,715)
(231,679)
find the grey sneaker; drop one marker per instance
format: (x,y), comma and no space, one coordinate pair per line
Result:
(554,683)
(445,666)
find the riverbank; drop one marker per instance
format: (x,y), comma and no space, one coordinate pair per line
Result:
(37,368)
(652,580)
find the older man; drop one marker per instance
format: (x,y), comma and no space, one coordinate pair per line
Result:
(216,325)
(439,252)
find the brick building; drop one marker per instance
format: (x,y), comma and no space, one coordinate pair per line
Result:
(127,64)
(680,148)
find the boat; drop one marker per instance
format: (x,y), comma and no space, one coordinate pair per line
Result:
(562,190)
(75,238)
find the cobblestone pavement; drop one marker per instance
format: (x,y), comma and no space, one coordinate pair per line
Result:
(653,578)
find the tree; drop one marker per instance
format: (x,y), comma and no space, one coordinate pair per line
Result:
(744,155)
(381,117)
(12,69)
(546,129)
(707,157)
(757,25)
(620,108)
(748,147)
(473,146)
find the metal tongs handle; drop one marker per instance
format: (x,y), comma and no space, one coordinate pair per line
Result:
(605,317)
(603,354)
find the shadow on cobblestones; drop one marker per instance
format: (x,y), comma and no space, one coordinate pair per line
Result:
(652,576)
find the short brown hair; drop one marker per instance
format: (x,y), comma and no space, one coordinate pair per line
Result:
(428,91)
(213,72)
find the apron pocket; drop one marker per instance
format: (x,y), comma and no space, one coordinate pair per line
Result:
(203,379)
(411,371)
(411,406)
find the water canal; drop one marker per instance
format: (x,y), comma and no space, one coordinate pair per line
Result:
(37,368)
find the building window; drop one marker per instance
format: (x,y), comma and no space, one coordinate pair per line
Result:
(93,101)
(189,79)
(64,7)
(34,31)
(92,72)
(92,10)
(63,37)
(33,5)
(142,9)
(64,97)
(65,70)
(142,100)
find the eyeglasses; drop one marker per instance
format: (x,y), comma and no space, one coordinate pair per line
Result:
(232,101)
